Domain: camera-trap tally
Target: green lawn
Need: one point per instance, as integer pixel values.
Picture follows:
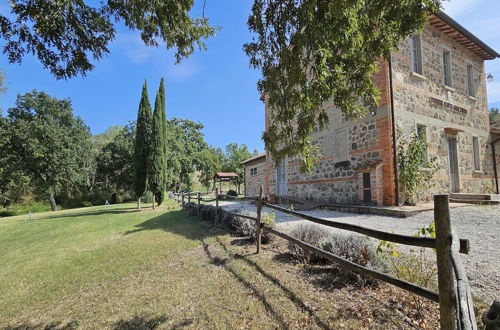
(119, 268)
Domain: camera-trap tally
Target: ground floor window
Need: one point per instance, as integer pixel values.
(475, 150)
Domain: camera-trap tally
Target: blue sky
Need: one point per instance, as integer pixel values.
(216, 87)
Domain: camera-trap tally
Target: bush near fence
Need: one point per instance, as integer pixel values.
(455, 298)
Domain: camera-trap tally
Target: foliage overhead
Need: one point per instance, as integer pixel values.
(142, 143)
(67, 35)
(314, 51)
(47, 142)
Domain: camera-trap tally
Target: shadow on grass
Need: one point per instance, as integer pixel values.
(288, 293)
(50, 326)
(140, 323)
(179, 223)
(242, 242)
(217, 261)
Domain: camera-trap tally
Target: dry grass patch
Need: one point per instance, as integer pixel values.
(119, 269)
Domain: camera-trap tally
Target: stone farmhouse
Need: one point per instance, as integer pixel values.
(435, 84)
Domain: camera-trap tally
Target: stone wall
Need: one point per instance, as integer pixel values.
(254, 181)
(350, 147)
(445, 112)
(347, 146)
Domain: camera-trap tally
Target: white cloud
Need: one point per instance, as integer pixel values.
(182, 70)
(133, 47)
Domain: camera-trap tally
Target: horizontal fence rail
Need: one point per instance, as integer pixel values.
(242, 198)
(243, 216)
(423, 292)
(426, 242)
(454, 297)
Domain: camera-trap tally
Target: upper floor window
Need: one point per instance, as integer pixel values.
(470, 79)
(475, 150)
(447, 67)
(416, 53)
(253, 171)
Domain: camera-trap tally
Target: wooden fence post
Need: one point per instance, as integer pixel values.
(446, 278)
(258, 225)
(183, 206)
(189, 198)
(216, 204)
(199, 202)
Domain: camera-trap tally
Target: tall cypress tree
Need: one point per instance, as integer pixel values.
(157, 165)
(166, 173)
(142, 145)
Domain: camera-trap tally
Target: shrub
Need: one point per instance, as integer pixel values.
(311, 234)
(243, 227)
(357, 249)
(416, 265)
(192, 209)
(232, 192)
(208, 212)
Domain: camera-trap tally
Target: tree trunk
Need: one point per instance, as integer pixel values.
(139, 203)
(153, 200)
(52, 201)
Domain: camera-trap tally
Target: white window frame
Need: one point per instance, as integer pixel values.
(447, 70)
(470, 79)
(416, 54)
(476, 155)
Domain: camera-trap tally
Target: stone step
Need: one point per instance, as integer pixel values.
(475, 201)
(476, 197)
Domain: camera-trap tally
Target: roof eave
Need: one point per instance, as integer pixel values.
(466, 33)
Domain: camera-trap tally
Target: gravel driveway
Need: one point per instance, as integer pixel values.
(479, 224)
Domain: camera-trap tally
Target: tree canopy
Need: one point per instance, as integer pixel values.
(114, 167)
(66, 36)
(207, 163)
(313, 51)
(494, 115)
(185, 140)
(232, 158)
(46, 142)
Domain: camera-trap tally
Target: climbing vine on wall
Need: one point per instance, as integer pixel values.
(415, 171)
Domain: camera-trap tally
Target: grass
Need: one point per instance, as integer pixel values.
(119, 268)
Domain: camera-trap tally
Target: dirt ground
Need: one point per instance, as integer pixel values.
(479, 224)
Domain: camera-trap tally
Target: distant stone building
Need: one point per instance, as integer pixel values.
(255, 168)
(435, 84)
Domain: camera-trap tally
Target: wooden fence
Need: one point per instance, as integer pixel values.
(454, 297)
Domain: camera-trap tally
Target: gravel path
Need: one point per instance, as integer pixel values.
(479, 224)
